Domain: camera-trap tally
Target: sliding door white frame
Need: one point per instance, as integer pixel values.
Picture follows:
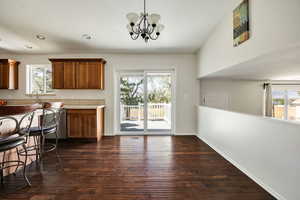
(144, 73)
(173, 102)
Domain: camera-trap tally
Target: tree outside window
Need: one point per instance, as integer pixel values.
(159, 90)
(39, 79)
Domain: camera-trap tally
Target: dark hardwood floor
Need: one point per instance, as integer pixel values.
(136, 168)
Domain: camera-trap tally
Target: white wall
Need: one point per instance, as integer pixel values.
(233, 95)
(185, 66)
(274, 26)
(266, 149)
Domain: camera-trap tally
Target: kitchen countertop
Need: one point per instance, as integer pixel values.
(83, 106)
(68, 103)
(70, 106)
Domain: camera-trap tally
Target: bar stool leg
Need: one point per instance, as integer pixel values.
(1, 176)
(18, 162)
(36, 148)
(24, 169)
(56, 150)
(41, 152)
(2, 167)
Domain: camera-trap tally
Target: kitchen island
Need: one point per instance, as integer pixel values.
(84, 118)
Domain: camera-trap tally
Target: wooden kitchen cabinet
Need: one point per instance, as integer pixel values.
(9, 74)
(69, 75)
(78, 73)
(90, 75)
(82, 75)
(85, 123)
(58, 75)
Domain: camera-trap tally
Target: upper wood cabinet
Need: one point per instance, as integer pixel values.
(9, 74)
(58, 75)
(69, 75)
(87, 73)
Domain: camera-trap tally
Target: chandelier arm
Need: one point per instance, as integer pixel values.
(135, 38)
(145, 24)
(151, 29)
(132, 30)
(153, 38)
(139, 25)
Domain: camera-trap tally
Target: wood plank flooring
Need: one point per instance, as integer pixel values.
(136, 168)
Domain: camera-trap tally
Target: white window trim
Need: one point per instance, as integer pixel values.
(29, 91)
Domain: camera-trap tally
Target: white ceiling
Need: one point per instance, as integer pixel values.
(63, 22)
(283, 65)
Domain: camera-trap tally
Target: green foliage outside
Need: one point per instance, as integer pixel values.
(159, 90)
(40, 77)
(278, 101)
(131, 91)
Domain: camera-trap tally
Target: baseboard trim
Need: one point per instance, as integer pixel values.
(184, 134)
(244, 170)
(109, 134)
(176, 134)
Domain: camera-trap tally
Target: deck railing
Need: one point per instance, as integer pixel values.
(158, 111)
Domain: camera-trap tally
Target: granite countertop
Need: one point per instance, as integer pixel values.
(68, 103)
(83, 106)
(69, 106)
(72, 106)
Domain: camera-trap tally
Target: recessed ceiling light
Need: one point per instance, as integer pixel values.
(28, 47)
(86, 36)
(40, 37)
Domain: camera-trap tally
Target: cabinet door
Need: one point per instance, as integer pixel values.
(94, 75)
(82, 123)
(4, 76)
(82, 75)
(89, 75)
(57, 75)
(69, 75)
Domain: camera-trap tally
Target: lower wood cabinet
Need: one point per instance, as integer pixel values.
(85, 123)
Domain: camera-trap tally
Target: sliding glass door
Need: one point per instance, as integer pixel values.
(159, 104)
(131, 103)
(146, 102)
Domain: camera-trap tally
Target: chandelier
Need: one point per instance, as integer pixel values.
(145, 25)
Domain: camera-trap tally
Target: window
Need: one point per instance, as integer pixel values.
(39, 79)
(286, 102)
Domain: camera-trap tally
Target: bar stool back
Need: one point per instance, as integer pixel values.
(13, 139)
(49, 125)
